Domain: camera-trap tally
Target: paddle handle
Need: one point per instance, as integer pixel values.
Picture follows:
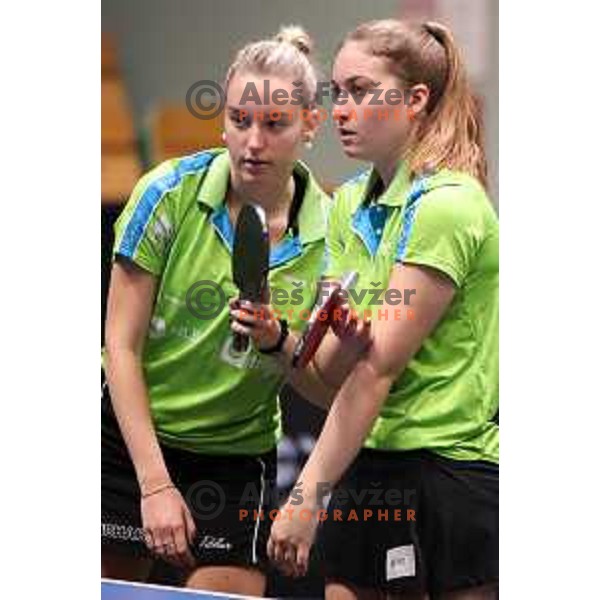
(240, 342)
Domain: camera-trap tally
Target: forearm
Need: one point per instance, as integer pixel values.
(307, 382)
(333, 361)
(324, 375)
(348, 423)
(132, 409)
(312, 382)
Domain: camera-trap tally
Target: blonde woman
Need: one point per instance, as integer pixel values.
(190, 427)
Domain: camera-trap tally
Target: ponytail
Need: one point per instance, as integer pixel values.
(449, 134)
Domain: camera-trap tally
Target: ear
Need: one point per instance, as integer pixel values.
(416, 100)
(310, 125)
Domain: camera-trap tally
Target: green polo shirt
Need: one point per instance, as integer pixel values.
(446, 399)
(204, 397)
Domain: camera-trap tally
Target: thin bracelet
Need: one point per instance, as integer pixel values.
(160, 488)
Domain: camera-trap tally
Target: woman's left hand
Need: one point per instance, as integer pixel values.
(292, 536)
(257, 321)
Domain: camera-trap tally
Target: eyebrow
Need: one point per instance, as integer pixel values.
(284, 115)
(354, 79)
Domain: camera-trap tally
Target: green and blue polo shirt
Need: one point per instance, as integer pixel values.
(204, 397)
(446, 399)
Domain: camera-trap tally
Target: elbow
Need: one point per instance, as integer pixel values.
(112, 357)
(112, 346)
(118, 350)
(370, 381)
(385, 365)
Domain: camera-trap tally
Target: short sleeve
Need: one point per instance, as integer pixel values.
(145, 229)
(443, 229)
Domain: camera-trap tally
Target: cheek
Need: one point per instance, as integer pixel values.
(386, 117)
(233, 138)
(288, 143)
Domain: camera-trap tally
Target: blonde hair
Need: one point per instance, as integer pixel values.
(287, 53)
(450, 134)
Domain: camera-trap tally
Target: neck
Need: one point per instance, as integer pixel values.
(390, 163)
(386, 171)
(273, 201)
(388, 166)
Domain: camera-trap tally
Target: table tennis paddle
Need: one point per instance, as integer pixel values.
(250, 259)
(318, 325)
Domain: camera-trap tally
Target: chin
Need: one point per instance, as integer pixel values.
(254, 183)
(252, 177)
(354, 152)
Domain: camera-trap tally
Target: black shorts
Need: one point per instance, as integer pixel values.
(413, 522)
(216, 489)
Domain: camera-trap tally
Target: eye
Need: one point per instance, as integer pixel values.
(239, 120)
(279, 124)
(358, 90)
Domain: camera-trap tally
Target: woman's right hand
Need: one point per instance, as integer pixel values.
(169, 528)
(354, 332)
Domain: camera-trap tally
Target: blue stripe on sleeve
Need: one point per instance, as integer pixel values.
(152, 196)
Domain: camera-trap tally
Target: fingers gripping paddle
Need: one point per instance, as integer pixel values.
(250, 259)
(320, 321)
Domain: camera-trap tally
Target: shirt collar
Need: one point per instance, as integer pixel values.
(214, 186)
(312, 216)
(396, 192)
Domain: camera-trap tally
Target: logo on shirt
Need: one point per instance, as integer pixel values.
(208, 542)
(158, 328)
(162, 230)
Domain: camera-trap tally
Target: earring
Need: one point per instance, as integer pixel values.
(308, 144)
(224, 137)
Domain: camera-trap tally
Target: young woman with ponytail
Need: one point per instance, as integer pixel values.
(410, 445)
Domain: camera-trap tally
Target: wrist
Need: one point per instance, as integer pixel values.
(151, 481)
(153, 491)
(271, 342)
(313, 494)
(278, 345)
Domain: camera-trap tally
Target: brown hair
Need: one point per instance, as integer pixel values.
(450, 134)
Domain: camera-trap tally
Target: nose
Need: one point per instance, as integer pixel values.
(256, 137)
(342, 112)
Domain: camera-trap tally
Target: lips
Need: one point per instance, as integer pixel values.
(255, 166)
(347, 135)
(255, 162)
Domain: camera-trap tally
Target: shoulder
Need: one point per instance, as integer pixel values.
(454, 198)
(355, 184)
(448, 219)
(169, 175)
(172, 183)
